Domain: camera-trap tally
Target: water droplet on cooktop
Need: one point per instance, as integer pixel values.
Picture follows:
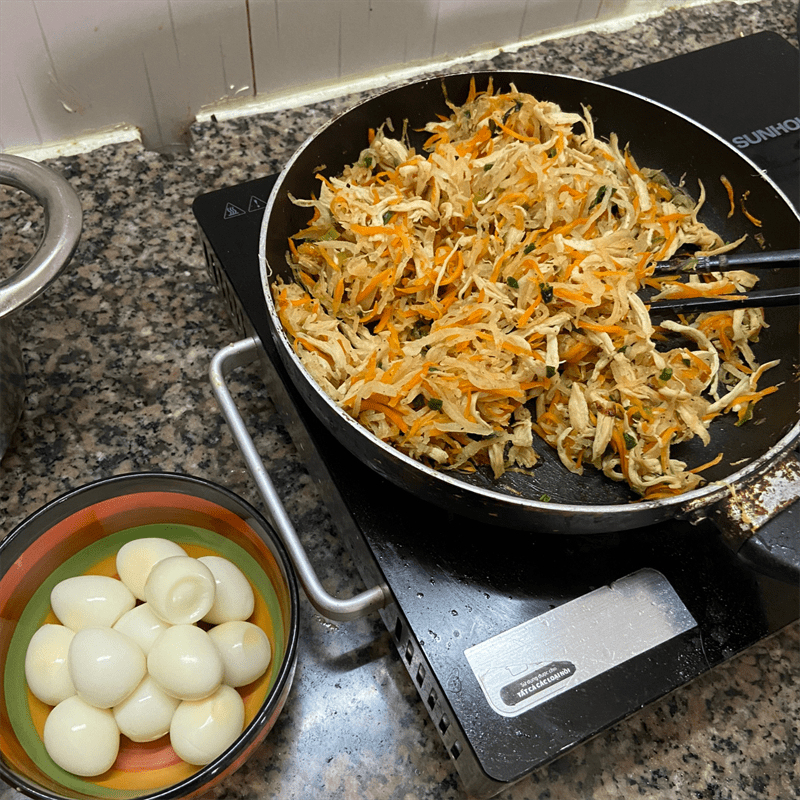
(419, 594)
(454, 612)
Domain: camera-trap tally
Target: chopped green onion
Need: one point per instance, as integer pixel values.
(419, 330)
(329, 235)
(545, 498)
(666, 374)
(512, 282)
(516, 107)
(529, 248)
(598, 197)
(630, 442)
(435, 404)
(387, 216)
(550, 371)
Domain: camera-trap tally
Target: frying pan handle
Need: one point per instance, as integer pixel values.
(240, 354)
(759, 520)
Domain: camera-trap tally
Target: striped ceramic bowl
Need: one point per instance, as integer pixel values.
(80, 533)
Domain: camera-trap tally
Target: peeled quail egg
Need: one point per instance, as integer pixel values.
(46, 669)
(203, 729)
(90, 601)
(141, 625)
(245, 651)
(234, 596)
(146, 714)
(136, 558)
(105, 666)
(185, 662)
(180, 589)
(80, 738)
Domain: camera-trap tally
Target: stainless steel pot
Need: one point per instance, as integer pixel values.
(62, 229)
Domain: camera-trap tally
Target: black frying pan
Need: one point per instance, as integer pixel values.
(659, 138)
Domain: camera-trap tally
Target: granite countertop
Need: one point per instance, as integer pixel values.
(117, 352)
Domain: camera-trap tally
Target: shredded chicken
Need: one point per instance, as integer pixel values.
(458, 301)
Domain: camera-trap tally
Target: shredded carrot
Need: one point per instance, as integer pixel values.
(373, 284)
(371, 230)
(596, 326)
(526, 315)
(621, 448)
(577, 351)
(712, 463)
(516, 135)
(756, 222)
(753, 397)
(729, 189)
(390, 413)
(578, 298)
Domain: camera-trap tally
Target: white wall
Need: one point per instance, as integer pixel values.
(68, 67)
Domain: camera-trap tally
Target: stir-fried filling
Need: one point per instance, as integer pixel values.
(457, 302)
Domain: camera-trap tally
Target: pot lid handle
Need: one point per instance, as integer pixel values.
(63, 220)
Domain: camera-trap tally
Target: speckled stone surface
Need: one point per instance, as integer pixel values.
(116, 355)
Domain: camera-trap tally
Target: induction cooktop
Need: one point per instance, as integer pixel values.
(523, 646)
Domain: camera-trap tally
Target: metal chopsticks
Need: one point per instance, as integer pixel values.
(761, 298)
(694, 264)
